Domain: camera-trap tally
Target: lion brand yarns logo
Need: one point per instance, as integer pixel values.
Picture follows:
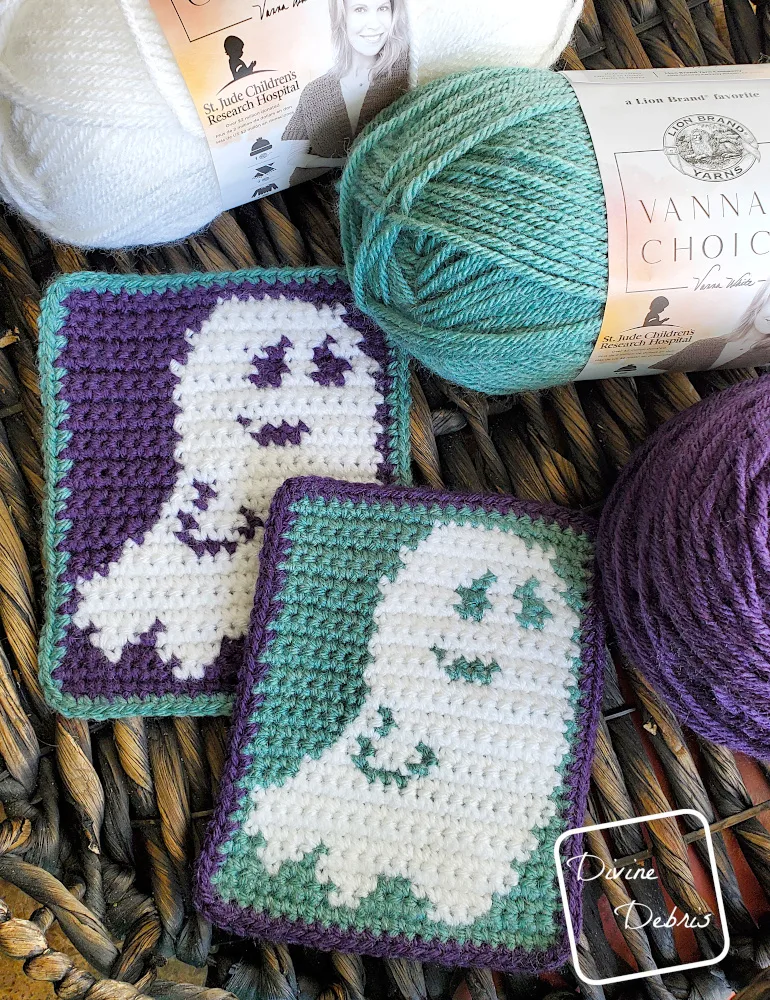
(710, 147)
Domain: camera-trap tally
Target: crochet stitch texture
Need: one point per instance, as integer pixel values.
(413, 729)
(174, 408)
(684, 551)
(473, 220)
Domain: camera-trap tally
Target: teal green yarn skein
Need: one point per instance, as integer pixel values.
(474, 229)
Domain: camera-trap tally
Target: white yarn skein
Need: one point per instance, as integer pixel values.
(100, 142)
(454, 36)
(99, 145)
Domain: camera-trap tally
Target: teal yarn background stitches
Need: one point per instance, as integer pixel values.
(315, 686)
(474, 228)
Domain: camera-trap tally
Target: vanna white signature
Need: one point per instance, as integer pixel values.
(713, 279)
(265, 10)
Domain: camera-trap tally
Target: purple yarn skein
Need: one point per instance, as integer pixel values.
(684, 554)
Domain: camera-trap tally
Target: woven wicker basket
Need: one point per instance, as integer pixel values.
(103, 822)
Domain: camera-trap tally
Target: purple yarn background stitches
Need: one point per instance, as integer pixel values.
(122, 451)
(267, 608)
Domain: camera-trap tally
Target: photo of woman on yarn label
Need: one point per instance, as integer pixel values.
(370, 71)
(283, 88)
(747, 346)
(684, 159)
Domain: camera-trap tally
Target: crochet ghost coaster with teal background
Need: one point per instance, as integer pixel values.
(413, 727)
(174, 408)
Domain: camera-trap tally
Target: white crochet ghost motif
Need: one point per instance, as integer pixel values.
(445, 777)
(270, 389)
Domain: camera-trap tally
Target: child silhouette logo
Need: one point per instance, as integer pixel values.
(657, 306)
(234, 47)
(234, 50)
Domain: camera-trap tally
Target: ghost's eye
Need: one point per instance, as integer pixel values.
(533, 612)
(270, 369)
(330, 367)
(271, 364)
(473, 600)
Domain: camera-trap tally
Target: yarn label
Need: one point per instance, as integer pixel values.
(282, 87)
(684, 158)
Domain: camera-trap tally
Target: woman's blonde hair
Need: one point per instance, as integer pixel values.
(755, 308)
(395, 47)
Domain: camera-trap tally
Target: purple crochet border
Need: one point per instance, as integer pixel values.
(222, 827)
(169, 312)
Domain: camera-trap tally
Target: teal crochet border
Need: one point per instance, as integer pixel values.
(56, 437)
(280, 745)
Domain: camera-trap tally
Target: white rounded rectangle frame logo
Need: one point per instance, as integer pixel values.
(628, 822)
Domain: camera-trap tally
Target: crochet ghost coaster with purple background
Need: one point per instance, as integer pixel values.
(174, 408)
(413, 728)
